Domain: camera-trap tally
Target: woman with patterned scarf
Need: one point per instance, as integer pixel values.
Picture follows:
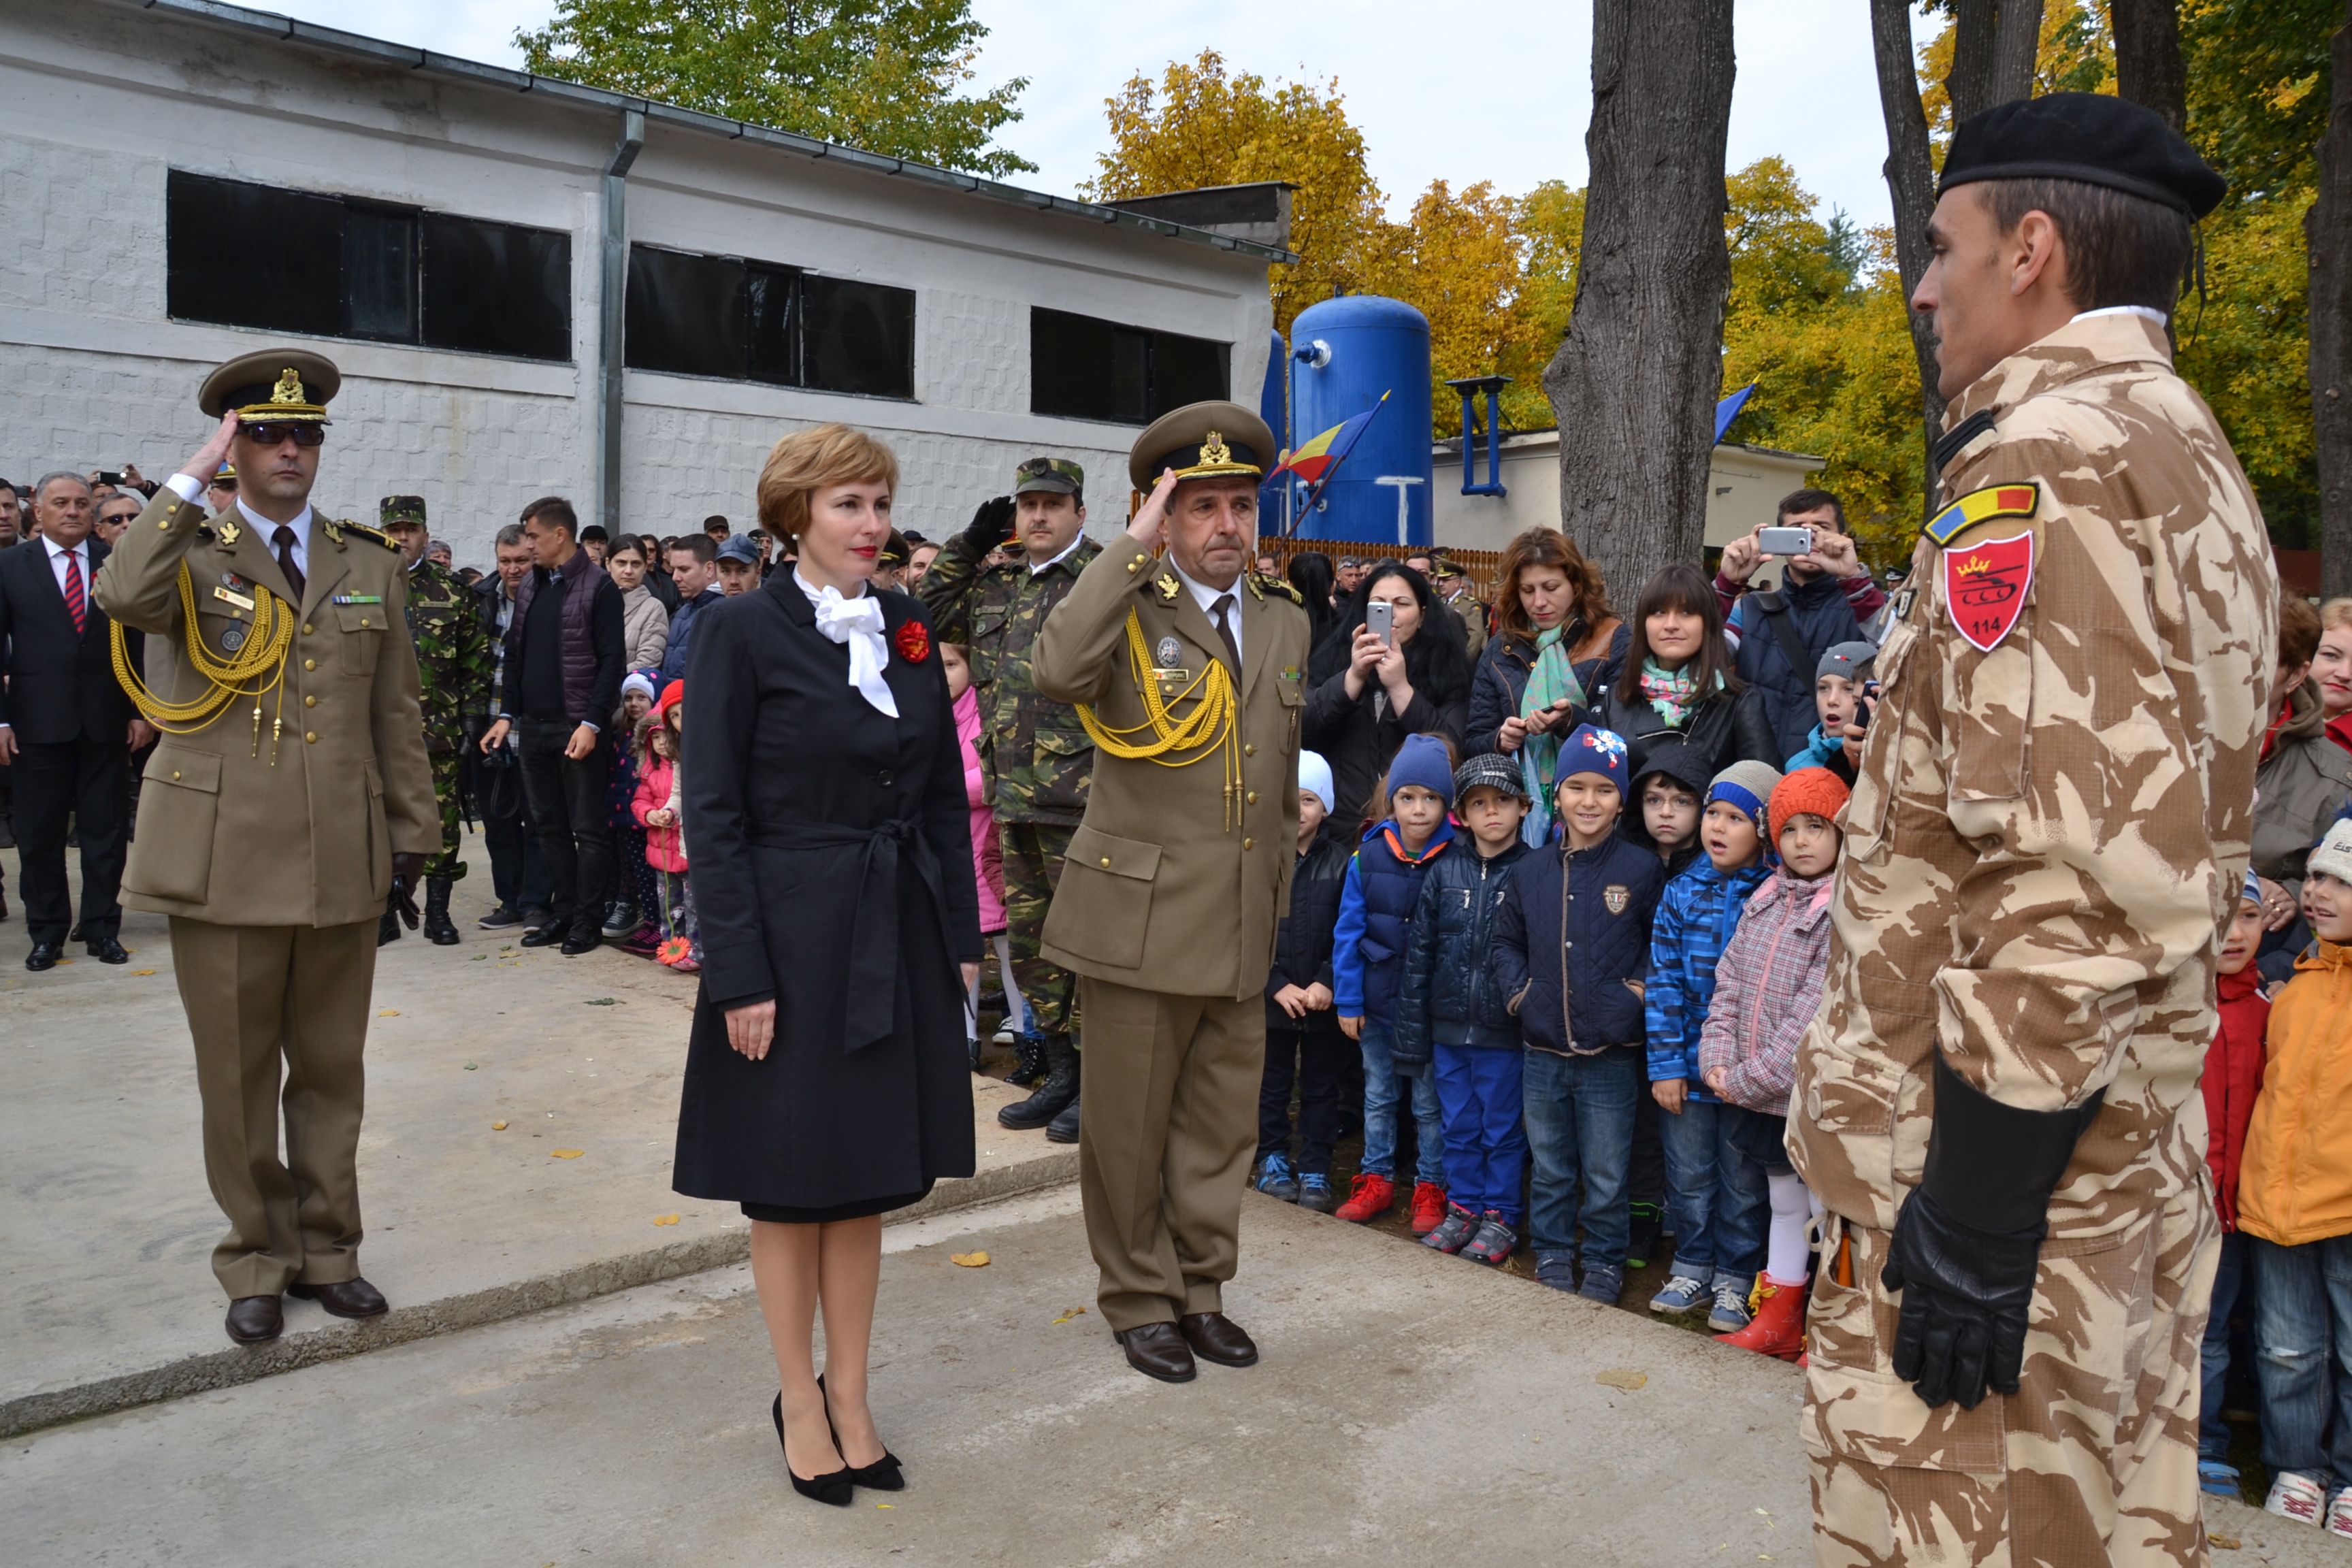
(1551, 608)
(1677, 679)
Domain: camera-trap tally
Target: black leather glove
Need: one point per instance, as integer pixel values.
(408, 870)
(1968, 1238)
(992, 525)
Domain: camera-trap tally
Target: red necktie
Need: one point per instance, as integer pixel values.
(77, 606)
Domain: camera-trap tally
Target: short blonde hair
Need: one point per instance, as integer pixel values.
(2336, 614)
(807, 461)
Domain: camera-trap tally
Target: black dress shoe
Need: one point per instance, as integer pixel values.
(1217, 1337)
(106, 950)
(581, 941)
(345, 1298)
(831, 1489)
(1156, 1350)
(255, 1319)
(547, 935)
(44, 955)
(882, 1476)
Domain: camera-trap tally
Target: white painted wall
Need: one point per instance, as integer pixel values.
(1745, 484)
(98, 100)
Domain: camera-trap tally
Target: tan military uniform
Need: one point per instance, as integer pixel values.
(270, 844)
(1166, 911)
(2042, 842)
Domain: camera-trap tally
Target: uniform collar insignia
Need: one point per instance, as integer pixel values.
(227, 528)
(1166, 584)
(1256, 588)
(334, 529)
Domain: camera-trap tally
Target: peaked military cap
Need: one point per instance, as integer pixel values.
(277, 385)
(401, 508)
(2086, 136)
(1059, 475)
(1202, 441)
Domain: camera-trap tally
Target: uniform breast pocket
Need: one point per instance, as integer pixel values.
(1293, 690)
(224, 631)
(363, 637)
(1064, 762)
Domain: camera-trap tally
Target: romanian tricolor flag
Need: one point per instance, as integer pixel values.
(1315, 461)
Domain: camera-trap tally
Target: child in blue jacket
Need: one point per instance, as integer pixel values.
(1376, 903)
(1451, 1015)
(1572, 945)
(1838, 684)
(1718, 1247)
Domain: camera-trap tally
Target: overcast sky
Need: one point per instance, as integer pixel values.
(1504, 97)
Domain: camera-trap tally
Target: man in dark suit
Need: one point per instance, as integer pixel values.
(66, 727)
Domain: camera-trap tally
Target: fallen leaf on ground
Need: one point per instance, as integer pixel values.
(567, 1154)
(601, 1002)
(1072, 1312)
(473, 1066)
(666, 1219)
(886, 1505)
(2223, 1542)
(387, 1012)
(1620, 1377)
(969, 1259)
(497, 1126)
(142, 971)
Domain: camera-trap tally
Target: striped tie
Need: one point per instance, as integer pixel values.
(77, 606)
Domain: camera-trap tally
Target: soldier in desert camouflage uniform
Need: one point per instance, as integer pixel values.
(454, 662)
(1035, 753)
(1999, 1103)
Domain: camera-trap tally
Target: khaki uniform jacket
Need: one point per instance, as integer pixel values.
(1163, 891)
(228, 832)
(2043, 838)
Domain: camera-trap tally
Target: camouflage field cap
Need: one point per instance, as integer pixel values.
(1059, 475)
(401, 508)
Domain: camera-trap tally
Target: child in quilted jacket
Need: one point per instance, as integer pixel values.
(2231, 1082)
(657, 807)
(1768, 986)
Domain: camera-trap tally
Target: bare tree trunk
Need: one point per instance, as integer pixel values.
(1911, 185)
(1635, 381)
(1976, 24)
(2327, 237)
(2016, 43)
(2149, 71)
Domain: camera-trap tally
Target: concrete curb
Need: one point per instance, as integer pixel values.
(237, 1364)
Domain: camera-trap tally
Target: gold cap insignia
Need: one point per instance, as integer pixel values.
(288, 388)
(1214, 453)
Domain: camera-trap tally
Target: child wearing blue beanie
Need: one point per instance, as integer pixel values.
(1376, 904)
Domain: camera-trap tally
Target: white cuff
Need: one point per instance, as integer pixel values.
(187, 489)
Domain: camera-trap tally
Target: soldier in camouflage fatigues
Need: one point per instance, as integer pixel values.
(1036, 757)
(1999, 1102)
(453, 663)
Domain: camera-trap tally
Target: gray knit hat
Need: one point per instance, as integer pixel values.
(1492, 769)
(2334, 855)
(1749, 786)
(1851, 659)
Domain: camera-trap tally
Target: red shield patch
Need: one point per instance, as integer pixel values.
(1985, 584)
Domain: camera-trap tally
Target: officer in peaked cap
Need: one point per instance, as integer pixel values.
(289, 797)
(1188, 674)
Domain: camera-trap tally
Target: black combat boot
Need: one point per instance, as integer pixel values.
(1063, 1129)
(387, 926)
(1028, 1060)
(1054, 1095)
(437, 928)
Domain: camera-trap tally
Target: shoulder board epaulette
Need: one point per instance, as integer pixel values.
(1953, 441)
(1263, 585)
(1983, 506)
(362, 531)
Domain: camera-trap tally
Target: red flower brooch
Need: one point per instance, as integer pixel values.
(914, 641)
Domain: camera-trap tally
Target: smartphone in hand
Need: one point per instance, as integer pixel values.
(1785, 541)
(1380, 618)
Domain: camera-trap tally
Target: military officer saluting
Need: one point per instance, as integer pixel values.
(1190, 674)
(287, 799)
(1999, 1102)
(455, 660)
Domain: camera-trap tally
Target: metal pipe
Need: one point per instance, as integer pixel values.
(612, 316)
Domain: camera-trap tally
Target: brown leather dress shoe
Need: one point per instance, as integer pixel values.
(1217, 1337)
(1156, 1350)
(344, 1299)
(255, 1319)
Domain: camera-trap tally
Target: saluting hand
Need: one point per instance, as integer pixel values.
(207, 461)
(1152, 519)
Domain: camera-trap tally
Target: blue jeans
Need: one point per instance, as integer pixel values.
(2212, 1436)
(1718, 1233)
(2303, 1356)
(1383, 1087)
(1580, 1113)
(1743, 1197)
(1480, 1089)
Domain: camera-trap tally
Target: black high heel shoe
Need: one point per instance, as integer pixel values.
(882, 1476)
(833, 1489)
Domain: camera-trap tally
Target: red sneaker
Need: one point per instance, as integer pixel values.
(1369, 1199)
(1428, 1207)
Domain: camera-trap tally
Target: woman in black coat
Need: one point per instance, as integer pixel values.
(1365, 696)
(1677, 682)
(825, 1079)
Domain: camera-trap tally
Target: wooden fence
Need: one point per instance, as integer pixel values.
(1481, 566)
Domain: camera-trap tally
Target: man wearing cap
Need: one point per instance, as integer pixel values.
(289, 797)
(1999, 1102)
(1034, 755)
(1458, 593)
(453, 662)
(739, 565)
(1190, 674)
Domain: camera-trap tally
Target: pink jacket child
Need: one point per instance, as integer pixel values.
(1768, 986)
(987, 853)
(663, 850)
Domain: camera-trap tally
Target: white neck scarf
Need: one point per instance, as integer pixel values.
(857, 622)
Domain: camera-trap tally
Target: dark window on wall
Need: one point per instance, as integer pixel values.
(254, 256)
(753, 321)
(1081, 368)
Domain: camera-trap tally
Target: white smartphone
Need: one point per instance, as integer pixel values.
(1785, 541)
(1379, 618)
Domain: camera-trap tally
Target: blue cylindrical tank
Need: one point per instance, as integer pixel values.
(1345, 353)
(1274, 407)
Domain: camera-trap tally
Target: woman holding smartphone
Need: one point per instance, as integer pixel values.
(1394, 666)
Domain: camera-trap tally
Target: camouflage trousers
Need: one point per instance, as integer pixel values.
(1032, 865)
(2091, 1464)
(445, 795)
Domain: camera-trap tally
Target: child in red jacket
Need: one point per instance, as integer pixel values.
(2233, 1076)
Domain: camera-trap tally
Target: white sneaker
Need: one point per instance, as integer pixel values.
(2340, 1514)
(2297, 1498)
(1003, 1036)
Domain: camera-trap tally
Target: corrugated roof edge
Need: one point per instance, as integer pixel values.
(334, 40)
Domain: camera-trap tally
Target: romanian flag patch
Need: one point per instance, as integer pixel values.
(1983, 506)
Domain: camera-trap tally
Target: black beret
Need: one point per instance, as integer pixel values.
(2086, 136)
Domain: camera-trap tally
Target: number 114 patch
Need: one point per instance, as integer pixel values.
(1985, 585)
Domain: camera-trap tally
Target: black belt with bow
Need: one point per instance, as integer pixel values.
(871, 1006)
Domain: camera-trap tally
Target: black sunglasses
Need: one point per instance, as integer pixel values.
(271, 435)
